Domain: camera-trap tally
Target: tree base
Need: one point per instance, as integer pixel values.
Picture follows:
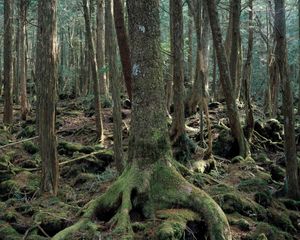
(153, 191)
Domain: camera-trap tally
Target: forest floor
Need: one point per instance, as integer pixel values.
(248, 190)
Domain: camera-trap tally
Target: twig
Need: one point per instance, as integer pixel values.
(15, 143)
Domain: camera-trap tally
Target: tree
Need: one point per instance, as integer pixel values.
(7, 53)
(123, 42)
(22, 62)
(225, 77)
(94, 69)
(150, 181)
(293, 188)
(178, 123)
(100, 47)
(46, 73)
(247, 76)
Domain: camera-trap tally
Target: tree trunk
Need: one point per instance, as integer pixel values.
(94, 70)
(115, 87)
(293, 190)
(7, 64)
(123, 45)
(247, 76)
(178, 123)
(235, 45)
(46, 72)
(299, 56)
(232, 109)
(22, 61)
(101, 47)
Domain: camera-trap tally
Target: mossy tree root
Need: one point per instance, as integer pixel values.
(157, 187)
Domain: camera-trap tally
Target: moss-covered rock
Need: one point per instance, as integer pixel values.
(270, 232)
(281, 220)
(232, 201)
(237, 159)
(252, 184)
(263, 159)
(263, 198)
(7, 232)
(291, 204)
(68, 148)
(277, 173)
(27, 132)
(225, 145)
(30, 147)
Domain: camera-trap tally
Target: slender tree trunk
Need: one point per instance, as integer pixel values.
(190, 51)
(247, 76)
(293, 190)
(94, 70)
(47, 76)
(22, 61)
(232, 110)
(235, 43)
(123, 45)
(115, 87)
(7, 52)
(299, 57)
(178, 124)
(101, 47)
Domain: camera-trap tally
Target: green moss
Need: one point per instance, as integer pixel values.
(175, 223)
(237, 159)
(277, 173)
(27, 132)
(271, 232)
(7, 232)
(291, 204)
(243, 224)
(280, 220)
(233, 201)
(30, 147)
(262, 237)
(263, 198)
(263, 159)
(252, 184)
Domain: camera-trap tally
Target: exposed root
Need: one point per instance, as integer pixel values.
(155, 188)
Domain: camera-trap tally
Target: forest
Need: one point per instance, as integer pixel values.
(150, 119)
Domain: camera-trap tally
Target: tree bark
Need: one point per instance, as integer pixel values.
(22, 67)
(47, 76)
(94, 70)
(178, 123)
(7, 63)
(247, 76)
(123, 42)
(232, 109)
(293, 189)
(101, 47)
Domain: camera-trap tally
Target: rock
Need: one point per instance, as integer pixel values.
(225, 145)
(265, 231)
(237, 159)
(277, 173)
(252, 184)
(280, 220)
(263, 198)
(30, 147)
(243, 224)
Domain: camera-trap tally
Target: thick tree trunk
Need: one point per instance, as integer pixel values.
(22, 60)
(232, 109)
(293, 190)
(101, 47)
(123, 45)
(7, 52)
(178, 124)
(190, 51)
(150, 182)
(46, 72)
(94, 70)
